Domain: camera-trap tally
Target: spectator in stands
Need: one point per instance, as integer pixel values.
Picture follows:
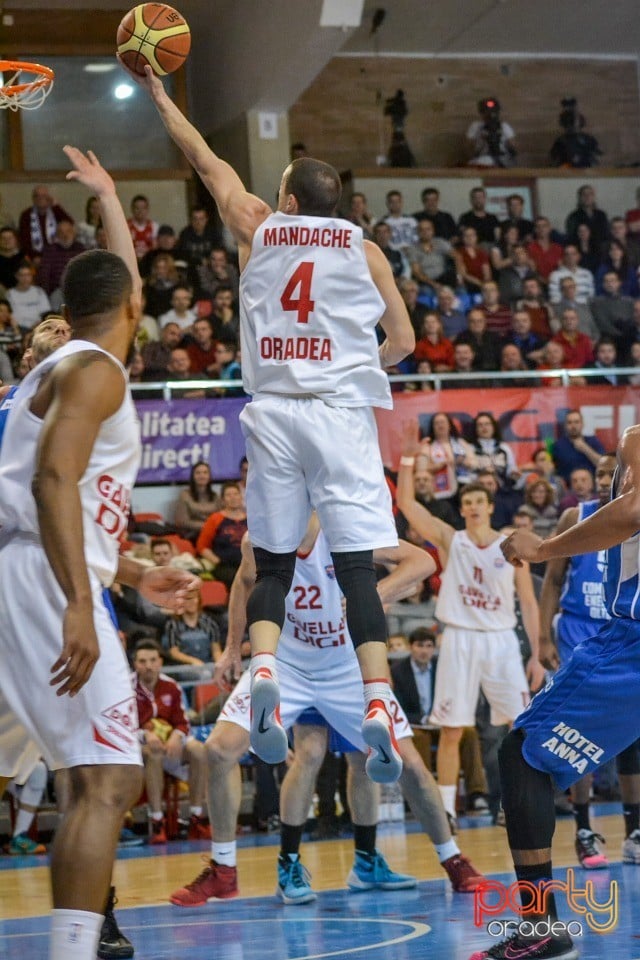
(417, 311)
(573, 450)
(425, 492)
(414, 678)
(192, 638)
(144, 230)
(632, 217)
(612, 310)
(516, 218)
(511, 278)
(165, 243)
(631, 334)
(537, 307)
(197, 502)
(630, 242)
(162, 278)
(443, 223)
(633, 360)
(449, 458)
(397, 261)
(220, 537)
(227, 367)
(588, 249)
(586, 323)
(542, 467)
(431, 259)
(511, 360)
(433, 345)
(179, 366)
(202, 348)
(552, 359)
(544, 253)
(87, 227)
(358, 213)
(54, 260)
(224, 317)
(404, 229)
(28, 302)
(166, 743)
(501, 255)
(581, 485)
(10, 333)
(472, 263)
(425, 386)
(196, 241)
(464, 362)
(398, 644)
(491, 451)
(453, 319)
(616, 261)
(497, 314)
(585, 287)
(135, 368)
(38, 223)
(577, 346)
(157, 354)
(181, 311)
(162, 552)
(606, 359)
(10, 257)
(485, 345)
(485, 224)
(540, 497)
(217, 272)
(529, 345)
(588, 213)
(506, 500)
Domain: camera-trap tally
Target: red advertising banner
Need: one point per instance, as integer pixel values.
(528, 417)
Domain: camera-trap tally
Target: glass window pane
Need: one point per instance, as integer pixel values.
(84, 109)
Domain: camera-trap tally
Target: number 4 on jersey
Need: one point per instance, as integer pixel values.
(303, 305)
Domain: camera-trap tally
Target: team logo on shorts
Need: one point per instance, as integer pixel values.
(330, 571)
(116, 727)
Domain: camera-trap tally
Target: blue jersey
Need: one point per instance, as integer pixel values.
(621, 580)
(583, 590)
(5, 406)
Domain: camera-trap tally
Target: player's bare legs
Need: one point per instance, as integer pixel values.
(226, 744)
(448, 766)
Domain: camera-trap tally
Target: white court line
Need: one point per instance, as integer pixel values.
(417, 930)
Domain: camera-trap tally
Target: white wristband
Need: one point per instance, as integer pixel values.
(407, 461)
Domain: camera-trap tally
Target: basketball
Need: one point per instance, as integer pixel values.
(154, 34)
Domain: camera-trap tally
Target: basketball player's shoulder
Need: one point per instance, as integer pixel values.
(244, 214)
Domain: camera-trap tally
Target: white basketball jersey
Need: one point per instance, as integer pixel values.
(315, 635)
(105, 487)
(477, 586)
(308, 313)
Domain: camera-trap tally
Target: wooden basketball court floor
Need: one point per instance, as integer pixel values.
(428, 922)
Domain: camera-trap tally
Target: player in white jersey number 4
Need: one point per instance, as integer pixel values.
(312, 292)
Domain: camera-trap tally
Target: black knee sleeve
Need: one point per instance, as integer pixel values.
(274, 575)
(357, 579)
(527, 797)
(628, 762)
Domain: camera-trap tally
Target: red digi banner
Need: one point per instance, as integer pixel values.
(528, 417)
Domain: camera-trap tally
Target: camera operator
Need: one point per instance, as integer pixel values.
(492, 138)
(574, 147)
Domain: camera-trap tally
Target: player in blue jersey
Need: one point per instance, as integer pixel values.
(572, 606)
(586, 714)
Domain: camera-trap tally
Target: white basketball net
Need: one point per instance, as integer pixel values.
(35, 89)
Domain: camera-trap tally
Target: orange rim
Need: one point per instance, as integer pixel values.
(46, 76)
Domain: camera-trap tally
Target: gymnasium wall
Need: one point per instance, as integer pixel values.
(339, 117)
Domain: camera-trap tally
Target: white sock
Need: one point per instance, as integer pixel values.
(30, 797)
(74, 934)
(448, 795)
(446, 850)
(23, 821)
(195, 811)
(264, 660)
(376, 690)
(156, 815)
(224, 853)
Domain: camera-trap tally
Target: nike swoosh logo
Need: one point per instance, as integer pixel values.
(512, 953)
(385, 756)
(261, 726)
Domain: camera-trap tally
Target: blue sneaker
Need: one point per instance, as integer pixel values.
(293, 881)
(371, 871)
(129, 839)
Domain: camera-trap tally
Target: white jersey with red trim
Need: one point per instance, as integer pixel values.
(478, 587)
(315, 636)
(308, 313)
(105, 487)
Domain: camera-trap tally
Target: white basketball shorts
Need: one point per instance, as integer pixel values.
(97, 726)
(469, 661)
(304, 454)
(338, 697)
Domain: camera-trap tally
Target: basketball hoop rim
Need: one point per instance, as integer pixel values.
(46, 76)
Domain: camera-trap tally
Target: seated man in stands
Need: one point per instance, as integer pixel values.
(157, 354)
(521, 336)
(537, 307)
(167, 744)
(577, 346)
(162, 552)
(568, 301)
(192, 638)
(202, 349)
(498, 315)
(485, 345)
(181, 311)
(612, 311)
(224, 317)
(453, 319)
(510, 361)
(463, 357)
(397, 260)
